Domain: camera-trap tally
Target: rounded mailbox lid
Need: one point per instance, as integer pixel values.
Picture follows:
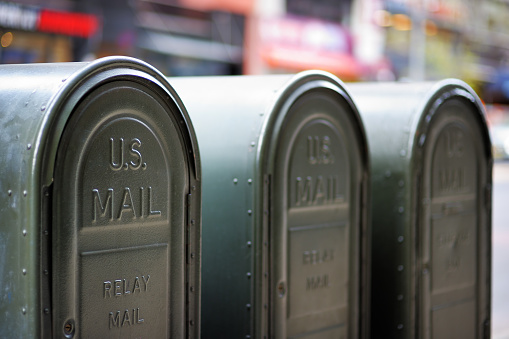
(124, 186)
(319, 174)
(431, 187)
(454, 227)
(284, 186)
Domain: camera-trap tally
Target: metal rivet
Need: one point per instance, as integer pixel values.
(235, 180)
(402, 153)
(24, 271)
(248, 274)
(249, 244)
(46, 310)
(401, 238)
(248, 306)
(29, 146)
(24, 310)
(25, 193)
(249, 181)
(9, 192)
(400, 297)
(24, 233)
(249, 212)
(400, 268)
(253, 144)
(43, 108)
(400, 326)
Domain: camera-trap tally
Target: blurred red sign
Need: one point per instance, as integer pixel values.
(31, 18)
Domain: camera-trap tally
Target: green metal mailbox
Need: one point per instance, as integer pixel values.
(284, 206)
(99, 202)
(431, 209)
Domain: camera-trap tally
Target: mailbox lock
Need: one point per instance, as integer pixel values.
(69, 328)
(281, 289)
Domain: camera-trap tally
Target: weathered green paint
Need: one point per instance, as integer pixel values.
(431, 209)
(260, 138)
(38, 101)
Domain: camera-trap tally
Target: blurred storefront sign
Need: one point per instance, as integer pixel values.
(36, 19)
(295, 43)
(244, 7)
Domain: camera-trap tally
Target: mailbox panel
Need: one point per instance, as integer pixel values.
(317, 178)
(451, 233)
(120, 170)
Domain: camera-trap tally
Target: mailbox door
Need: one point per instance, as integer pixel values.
(120, 187)
(316, 220)
(454, 232)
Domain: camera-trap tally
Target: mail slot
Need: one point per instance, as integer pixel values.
(284, 217)
(431, 209)
(100, 203)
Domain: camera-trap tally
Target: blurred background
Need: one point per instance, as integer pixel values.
(357, 40)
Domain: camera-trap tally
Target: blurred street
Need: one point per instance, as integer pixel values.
(500, 292)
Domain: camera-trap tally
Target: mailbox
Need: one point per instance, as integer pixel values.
(431, 209)
(284, 206)
(100, 203)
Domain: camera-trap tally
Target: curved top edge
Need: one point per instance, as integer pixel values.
(439, 92)
(296, 86)
(87, 72)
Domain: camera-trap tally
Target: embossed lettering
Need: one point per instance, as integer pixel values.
(128, 318)
(131, 205)
(451, 180)
(116, 161)
(97, 203)
(118, 156)
(107, 289)
(127, 204)
(453, 238)
(319, 150)
(317, 282)
(454, 144)
(122, 287)
(135, 143)
(321, 193)
(317, 257)
(114, 320)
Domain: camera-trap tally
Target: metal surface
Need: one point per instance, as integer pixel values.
(284, 211)
(100, 203)
(431, 209)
